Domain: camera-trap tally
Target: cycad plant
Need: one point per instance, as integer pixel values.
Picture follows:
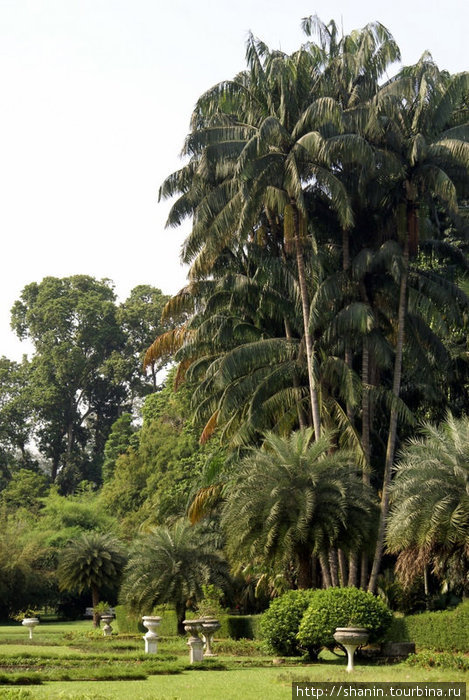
(91, 562)
(171, 565)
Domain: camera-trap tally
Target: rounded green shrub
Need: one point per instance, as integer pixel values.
(280, 623)
(341, 607)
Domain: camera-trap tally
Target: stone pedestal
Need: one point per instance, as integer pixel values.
(107, 629)
(30, 623)
(209, 626)
(195, 644)
(151, 622)
(351, 638)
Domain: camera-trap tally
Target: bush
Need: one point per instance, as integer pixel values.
(341, 607)
(446, 660)
(127, 622)
(280, 623)
(240, 626)
(445, 630)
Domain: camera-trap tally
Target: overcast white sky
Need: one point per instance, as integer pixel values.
(95, 100)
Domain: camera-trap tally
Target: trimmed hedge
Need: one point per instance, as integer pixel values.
(131, 623)
(341, 607)
(280, 623)
(128, 622)
(233, 626)
(443, 630)
(239, 626)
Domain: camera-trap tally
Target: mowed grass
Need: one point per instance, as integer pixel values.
(71, 661)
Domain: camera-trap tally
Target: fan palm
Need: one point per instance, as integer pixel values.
(91, 562)
(429, 519)
(170, 565)
(293, 499)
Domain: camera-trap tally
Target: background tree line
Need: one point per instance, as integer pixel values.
(57, 408)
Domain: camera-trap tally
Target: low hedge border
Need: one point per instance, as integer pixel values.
(446, 630)
(232, 626)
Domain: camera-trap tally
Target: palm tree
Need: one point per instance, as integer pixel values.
(293, 499)
(260, 148)
(91, 562)
(426, 157)
(429, 518)
(170, 565)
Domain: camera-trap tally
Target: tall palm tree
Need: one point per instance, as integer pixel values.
(295, 498)
(91, 562)
(429, 519)
(260, 148)
(170, 565)
(427, 156)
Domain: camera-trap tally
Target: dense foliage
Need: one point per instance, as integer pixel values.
(441, 630)
(281, 621)
(341, 607)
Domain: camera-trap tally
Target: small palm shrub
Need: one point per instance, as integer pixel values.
(281, 621)
(341, 607)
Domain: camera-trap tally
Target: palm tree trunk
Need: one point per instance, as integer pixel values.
(305, 579)
(334, 567)
(366, 431)
(364, 571)
(426, 589)
(392, 434)
(296, 385)
(308, 340)
(326, 576)
(342, 568)
(352, 570)
(180, 616)
(348, 355)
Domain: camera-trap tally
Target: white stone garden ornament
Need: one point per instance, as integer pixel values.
(195, 644)
(30, 623)
(151, 622)
(351, 638)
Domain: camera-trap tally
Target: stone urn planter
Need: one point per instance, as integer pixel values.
(195, 644)
(30, 623)
(351, 638)
(209, 626)
(151, 622)
(107, 629)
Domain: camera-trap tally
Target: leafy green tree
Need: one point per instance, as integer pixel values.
(154, 477)
(119, 440)
(16, 419)
(25, 489)
(26, 577)
(171, 565)
(73, 326)
(429, 519)
(91, 562)
(293, 499)
(139, 318)
(65, 517)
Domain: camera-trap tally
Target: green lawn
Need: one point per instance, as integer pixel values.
(67, 658)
